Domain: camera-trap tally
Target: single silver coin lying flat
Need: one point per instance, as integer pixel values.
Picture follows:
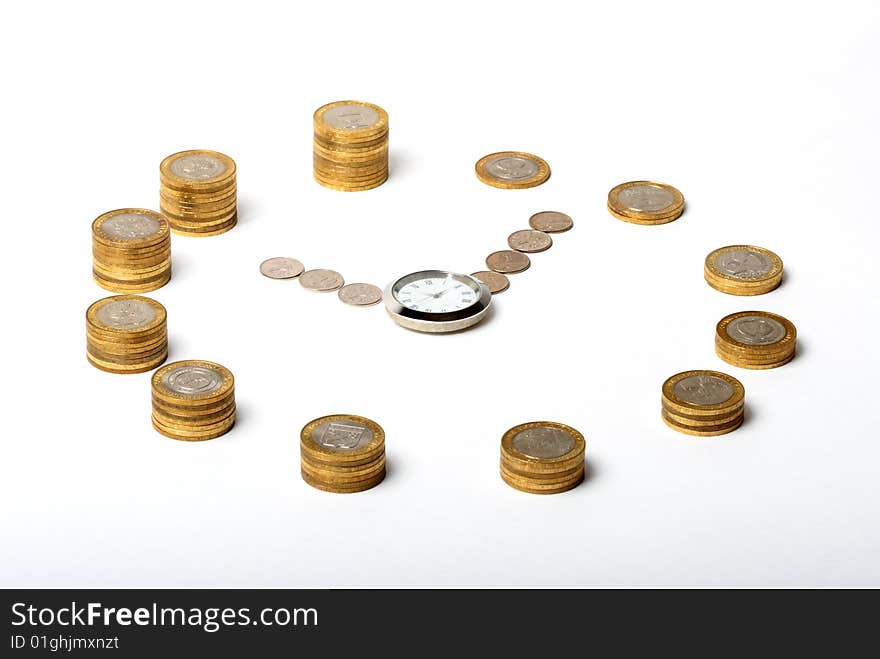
(321, 280)
(550, 222)
(755, 330)
(543, 442)
(360, 295)
(507, 261)
(281, 267)
(703, 390)
(496, 282)
(529, 240)
(192, 380)
(126, 314)
(198, 167)
(130, 226)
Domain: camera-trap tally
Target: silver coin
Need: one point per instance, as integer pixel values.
(755, 330)
(512, 168)
(321, 280)
(550, 222)
(281, 267)
(192, 380)
(703, 390)
(496, 282)
(126, 314)
(645, 198)
(360, 295)
(529, 240)
(131, 226)
(743, 263)
(508, 261)
(342, 435)
(543, 442)
(197, 166)
(351, 117)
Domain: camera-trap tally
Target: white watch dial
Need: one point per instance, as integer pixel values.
(436, 295)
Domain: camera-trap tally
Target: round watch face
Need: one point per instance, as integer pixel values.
(437, 301)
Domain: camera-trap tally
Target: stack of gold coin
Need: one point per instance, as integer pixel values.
(126, 334)
(131, 250)
(342, 453)
(755, 339)
(351, 146)
(542, 457)
(704, 403)
(743, 270)
(193, 400)
(198, 192)
(645, 202)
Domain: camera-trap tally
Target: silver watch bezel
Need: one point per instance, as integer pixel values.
(451, 321)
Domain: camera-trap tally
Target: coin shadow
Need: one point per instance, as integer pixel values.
(390, 467)
(590, 470)
(399, 161)
(245, 210)
(750, 413)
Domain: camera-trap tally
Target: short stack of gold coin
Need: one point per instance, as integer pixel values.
(126, 334)
(193, 400)
(645, 202)
(755, 339)
(131, 250)
(342, 453)
(703, 403)
(542, 457)
(198, 192)
(351, 146)
(743, 270)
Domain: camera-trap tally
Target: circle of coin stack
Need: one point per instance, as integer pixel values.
(743, 270)
(131, 250)
(350, 146)
(703, 403)
(193, 400)
(197, 192)
(126, 334)
(542, 457)
(342, 453)
(755, 339)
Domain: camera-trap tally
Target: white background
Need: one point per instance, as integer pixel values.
(763, 114)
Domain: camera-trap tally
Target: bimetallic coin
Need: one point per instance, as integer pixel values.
(496, 282)
(351, 116)
(529, 240)
(645, 202)
(508, 261)
(543, 442)
(756, 330)
(128, 313)
(743, 270)
(131, 226)
(703, 390)
(197, 166)
(192, 380)
(512, 170)
(743, 263)
(550, 222)
(321, 280)
(281, 267)
(345, 435)
(360, 295)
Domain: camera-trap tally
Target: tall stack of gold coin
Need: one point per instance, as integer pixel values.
(198, 192)
(703, 403)
(131, 250)
(351, 146)
(755, 339)
(542, 457)
(342, 453)
(126, 334)
(193, 400)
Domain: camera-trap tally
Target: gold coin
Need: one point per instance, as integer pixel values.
(496, 282)
(512, 170)
(192, 381)
(743, 270)
(508, 261)
(703, 431)
(529, 240)
(350, 120)
(360, 486)
(543, 442)
(550, 222)
(755, 339)
(342, 439)
(645, 202)
(197, 170)
(702, 392)
(129, 228)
